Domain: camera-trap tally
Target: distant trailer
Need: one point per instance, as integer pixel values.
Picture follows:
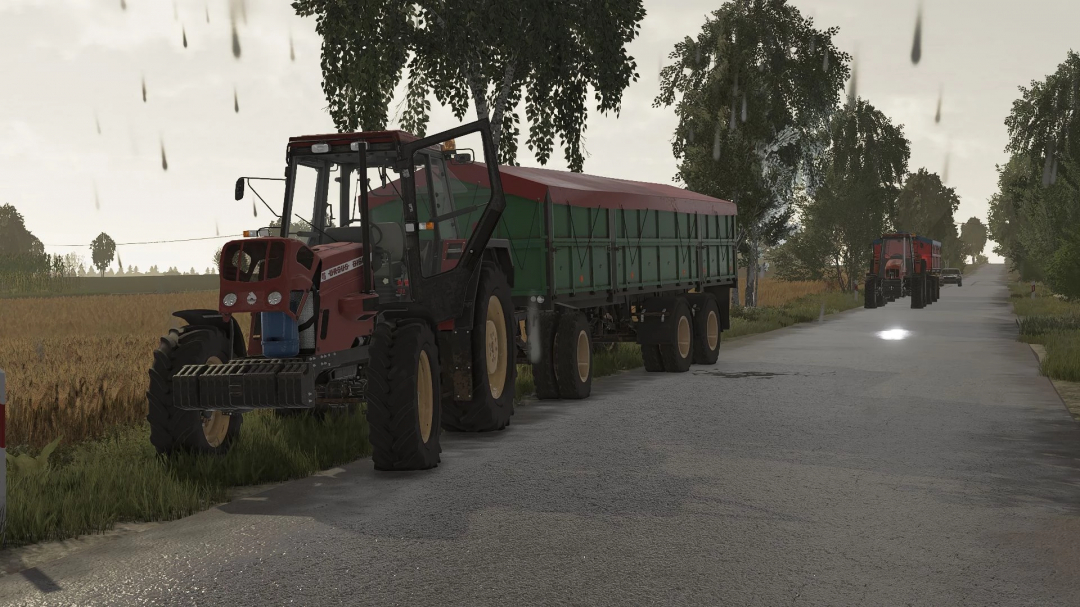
(903, 264)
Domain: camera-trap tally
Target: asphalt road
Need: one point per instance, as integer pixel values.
(817, 465)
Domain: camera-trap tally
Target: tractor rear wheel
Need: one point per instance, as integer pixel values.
(678, 353)
(403, 405)
(494, 362)
(918, 292)
(706, 330)
(573, 356)
(543, 368)
(172, 429)
(870, 294)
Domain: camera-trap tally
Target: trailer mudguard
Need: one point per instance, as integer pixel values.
(655, 326)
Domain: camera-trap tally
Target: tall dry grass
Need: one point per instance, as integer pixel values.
(773, 292)
(77, 366)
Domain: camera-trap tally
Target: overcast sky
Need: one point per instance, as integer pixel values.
(74, 63)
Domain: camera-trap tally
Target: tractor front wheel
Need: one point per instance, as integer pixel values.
(403, 388)
(172, 429)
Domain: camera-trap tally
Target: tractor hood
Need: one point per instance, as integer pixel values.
(261, 274)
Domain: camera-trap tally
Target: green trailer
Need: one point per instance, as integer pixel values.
(594, 261)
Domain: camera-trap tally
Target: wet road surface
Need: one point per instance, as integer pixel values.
(882, 457)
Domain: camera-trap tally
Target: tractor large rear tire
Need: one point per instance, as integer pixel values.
(543, 369)
(678, 353)
(403, 404)
(493, 360)
(706, 330)
(918, 292)
(172, 429)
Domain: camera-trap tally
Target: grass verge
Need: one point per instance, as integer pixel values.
(92, 485)
(1053, 322)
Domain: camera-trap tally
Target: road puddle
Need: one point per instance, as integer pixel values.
(740, 374)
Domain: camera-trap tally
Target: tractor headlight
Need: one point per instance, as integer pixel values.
(273, 298)
(229, 300)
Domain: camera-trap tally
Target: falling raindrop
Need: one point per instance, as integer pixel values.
(254, 209)
(235, 41)
(716, 145)
(937, 116)
(1053, 173)
(690, 134)
(123, 5)
(853, 90)
(916, 46)
(217, 230)
(39, 347)
(292, 52)
(97, 199)
(697, 56)
(744, 106)
(1048, 166)
(208, 13)
(97, 123)
(144, 89)
(119, 262)
(184, 31)
(164, 162)
(945, 170)
(813, 45)
(236, 101)
(825, 62)
(175, 12)
(731, 123)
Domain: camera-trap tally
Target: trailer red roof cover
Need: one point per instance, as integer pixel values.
(582, 190)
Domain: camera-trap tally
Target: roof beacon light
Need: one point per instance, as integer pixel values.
(320, 148)
(260, 233)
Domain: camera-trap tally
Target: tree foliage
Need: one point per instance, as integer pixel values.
(102, 252)
(1035, 214)
(863, 168)
(492, 53)
(751, 92)
(973, 237)
(927, 206)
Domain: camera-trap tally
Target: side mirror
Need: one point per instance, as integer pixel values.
(240, 189)
(461, 158)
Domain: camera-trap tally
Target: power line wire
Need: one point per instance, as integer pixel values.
(120, 244)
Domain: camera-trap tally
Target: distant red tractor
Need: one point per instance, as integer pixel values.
(904, 264)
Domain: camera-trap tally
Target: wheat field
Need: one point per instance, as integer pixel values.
(77, 366)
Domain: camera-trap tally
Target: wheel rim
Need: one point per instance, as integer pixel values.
(425, 401)
(684, 337)
(583, 359)
(495, 341)
(712, 330)
(215, 427)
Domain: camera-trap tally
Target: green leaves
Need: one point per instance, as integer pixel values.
(549, 52)
(24, 463)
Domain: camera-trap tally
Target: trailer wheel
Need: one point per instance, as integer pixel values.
(679, 352)
(707, 331)
(403, 388)
(650, 356)
(493, 360)
(573, 356)
(543, 368)
(172, 429)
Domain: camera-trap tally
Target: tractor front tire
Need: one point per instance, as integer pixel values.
(403, 404)
(171, 429)
(493, 360)
(573, 356)
(678, 353)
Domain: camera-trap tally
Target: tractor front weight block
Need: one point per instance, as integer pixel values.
(257, 383)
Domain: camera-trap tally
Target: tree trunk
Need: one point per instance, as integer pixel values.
(500, 102)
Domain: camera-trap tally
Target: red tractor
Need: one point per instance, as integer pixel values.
(903, 264)
(369, 310)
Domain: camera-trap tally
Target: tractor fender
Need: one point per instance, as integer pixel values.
(216, 319)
